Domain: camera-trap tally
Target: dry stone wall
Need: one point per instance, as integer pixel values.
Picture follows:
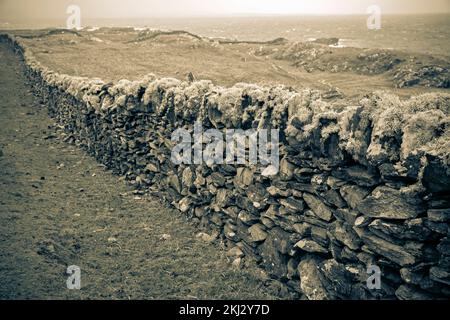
(359, 185)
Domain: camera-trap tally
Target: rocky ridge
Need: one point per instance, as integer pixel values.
(404, 70)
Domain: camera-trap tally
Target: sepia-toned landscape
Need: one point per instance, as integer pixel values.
(89, 180)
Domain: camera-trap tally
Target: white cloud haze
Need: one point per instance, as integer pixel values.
(44, 9)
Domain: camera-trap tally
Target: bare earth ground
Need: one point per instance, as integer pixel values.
(58, 207)
(123, 53)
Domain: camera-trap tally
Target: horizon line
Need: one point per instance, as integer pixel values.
(238, 15)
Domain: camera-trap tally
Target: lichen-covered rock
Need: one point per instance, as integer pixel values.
(293, 205)
(311, 280)
(389, 203)
(311, 246)
(257, 232)
(393, 252)
(414, 229)
(244, 177)
(339, 280)
(320, 209)
(346, 235)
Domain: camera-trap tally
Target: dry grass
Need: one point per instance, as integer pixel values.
(114, 54)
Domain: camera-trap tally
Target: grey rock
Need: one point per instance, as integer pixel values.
(349, 255)
(232, 212)
(411, 277)
(284, 241)
(353, 194)
(311, 246)
(384, 229)
(257, 233)
(319, 235)
(320, 209)
(272, 260)
(244, 177)
(318, 182)
(174, 182)
(444, 247)
(339, 279)
(409, 231)
(393, 252)
(235, 252)
(346, 235)
(199, 212)
(224, 198)
(229, 230)
(362, 221)
(439, 203)
(304, 174)
(440, 275)
(334, 198)
(439, 215)
(267, 222)
(357, 174)
(304, 187)
(336, 250)
(152, 167)
(227, 170)
(185, 204)
(416, 230)
(258, 195)
(347, 215)
(272, 212)
(444, 262)
(303, 229)
(423, 251)
(292, 268)
(409, 292)
(277, 192)
(246, 204)
(389, 203)
(335, 183)
(187, 177)
(247, 218)
(366, 258)
(436, 176)
(293, 205)
(217, 179)
(438, 227)
(310, 218)
(311, 280)
(286, 169)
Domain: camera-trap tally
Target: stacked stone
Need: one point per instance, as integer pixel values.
(358, 186)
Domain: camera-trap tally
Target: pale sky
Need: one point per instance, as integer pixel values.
(44, 9)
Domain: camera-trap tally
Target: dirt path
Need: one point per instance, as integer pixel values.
(58, 207)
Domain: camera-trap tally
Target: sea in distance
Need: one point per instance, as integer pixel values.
(428, 34)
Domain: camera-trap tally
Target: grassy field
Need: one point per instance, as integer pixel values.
(124, 53)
